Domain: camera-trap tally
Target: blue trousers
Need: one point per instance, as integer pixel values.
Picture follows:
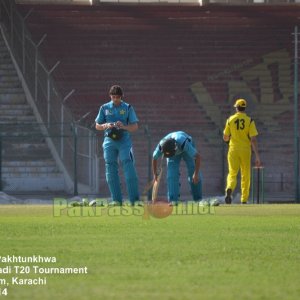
(115, 151)
(173, 175)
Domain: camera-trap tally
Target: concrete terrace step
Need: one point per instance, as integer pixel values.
(21, 145)
(29, 163)
(21, 110)
(12, 171)
(8, 77)
(30, 173)
(7, 66)
(28, 154)
(11, 90)
(10, 85)
(5, 57)
(13, 118)
(3, 47)
(11, 99)
(18, 132)
(35, 182)
(8, 72)
(9, 106)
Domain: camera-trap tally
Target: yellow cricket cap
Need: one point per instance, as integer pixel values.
(240, 103)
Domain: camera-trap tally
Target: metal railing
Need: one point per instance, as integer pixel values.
(25, 153)
(48, 104)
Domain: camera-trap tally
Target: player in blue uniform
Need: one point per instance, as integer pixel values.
(119, 116)
(176, 146)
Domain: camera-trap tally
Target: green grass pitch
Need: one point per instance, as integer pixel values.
(232, 252)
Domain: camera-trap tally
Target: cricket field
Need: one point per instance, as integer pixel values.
(224, 252)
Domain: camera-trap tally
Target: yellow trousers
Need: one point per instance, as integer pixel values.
(239, 160)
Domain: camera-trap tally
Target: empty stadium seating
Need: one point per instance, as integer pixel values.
(180, 67)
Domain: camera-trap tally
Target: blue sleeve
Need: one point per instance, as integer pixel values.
(132, 117)
(100, 119)
(190, 149)
(157, 153)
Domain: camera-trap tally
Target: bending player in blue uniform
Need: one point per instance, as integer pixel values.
(117, 119)
(176, 146)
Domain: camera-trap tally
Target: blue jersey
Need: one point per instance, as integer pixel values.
(184, 143)
(109, 113)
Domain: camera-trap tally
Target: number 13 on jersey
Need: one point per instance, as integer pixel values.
(240, 124)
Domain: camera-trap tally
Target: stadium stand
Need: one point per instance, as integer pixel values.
(24, 149)
(181, 67)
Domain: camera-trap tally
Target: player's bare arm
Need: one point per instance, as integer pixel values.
(197, 168)
(226, 138)
(104, 126)
(130, 127)
(154, 169)
(255, 150)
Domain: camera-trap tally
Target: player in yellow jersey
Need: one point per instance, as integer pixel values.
(240, 131)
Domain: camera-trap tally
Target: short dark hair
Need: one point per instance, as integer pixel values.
(116, 90)
(169, 147)
(240, 108)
